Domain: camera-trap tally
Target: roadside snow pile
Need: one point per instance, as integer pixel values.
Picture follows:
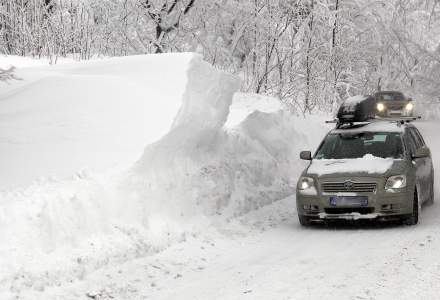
(202, 167)
(99, 114)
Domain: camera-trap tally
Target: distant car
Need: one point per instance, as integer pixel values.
(393, 104)
(377, 170)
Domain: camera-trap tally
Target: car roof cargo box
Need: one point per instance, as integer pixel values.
(359, 108)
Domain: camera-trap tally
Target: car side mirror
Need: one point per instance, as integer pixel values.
(422, 153)
(305, 155)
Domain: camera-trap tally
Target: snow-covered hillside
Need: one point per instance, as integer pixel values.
(83, 127)
(60, 120)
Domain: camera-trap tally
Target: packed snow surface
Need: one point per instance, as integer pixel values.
(368, 164)
(102, 235)
(266, 254)
(63, 119)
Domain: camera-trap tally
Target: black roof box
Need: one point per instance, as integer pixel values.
(359, 108)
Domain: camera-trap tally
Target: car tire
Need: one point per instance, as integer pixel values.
(413, 218)
(431, 192)
(304, 220)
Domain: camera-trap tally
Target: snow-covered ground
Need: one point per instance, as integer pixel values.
(109, 160)
(165, 187)
(266, 254)
(63, 119)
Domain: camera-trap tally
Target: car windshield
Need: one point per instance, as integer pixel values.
(390, 97)
(357, 145)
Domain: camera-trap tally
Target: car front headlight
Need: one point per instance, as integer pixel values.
(305, 183)
(380, 107)
(409, 106)
(306, 186)
(395, 183)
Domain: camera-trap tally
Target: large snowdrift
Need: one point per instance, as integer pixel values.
(193, 169)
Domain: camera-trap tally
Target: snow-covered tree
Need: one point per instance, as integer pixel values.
(309, 53)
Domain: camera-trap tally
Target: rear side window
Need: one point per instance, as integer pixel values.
(417, 138)
(419, 135)
(411, 141)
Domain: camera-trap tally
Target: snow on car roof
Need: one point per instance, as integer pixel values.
(355, 99)
(376, 126)
(368, 164)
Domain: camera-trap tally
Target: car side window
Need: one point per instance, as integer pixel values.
(419, 135)
(412, 146)
(416, 139)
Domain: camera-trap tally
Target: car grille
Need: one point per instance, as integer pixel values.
(355, 187)
(349, 210)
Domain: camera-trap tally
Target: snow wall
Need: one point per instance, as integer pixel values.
(202, 167)
(200, 171)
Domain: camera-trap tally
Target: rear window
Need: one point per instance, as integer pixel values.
(357, 145)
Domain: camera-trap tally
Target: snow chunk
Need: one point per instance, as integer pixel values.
(245, 104)
(368, 164)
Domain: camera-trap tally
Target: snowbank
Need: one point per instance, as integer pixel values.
(225, 171)
(207, 166)
(193, 168)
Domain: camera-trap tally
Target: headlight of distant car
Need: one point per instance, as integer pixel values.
(395, 182)
(380, 107)
(306, 183)
(409, 106)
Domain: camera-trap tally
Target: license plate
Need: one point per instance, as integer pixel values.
(348, 200)
(395, 112)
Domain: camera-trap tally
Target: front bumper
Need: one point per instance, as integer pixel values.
(401, 112)
(381, 205)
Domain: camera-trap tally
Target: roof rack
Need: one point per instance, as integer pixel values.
(401, 120)
(341, 123)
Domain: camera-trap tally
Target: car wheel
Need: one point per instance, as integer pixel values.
(413, 219)
(304, 220)
(431, 192)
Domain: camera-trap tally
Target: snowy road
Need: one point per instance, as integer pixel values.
(267, 255)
